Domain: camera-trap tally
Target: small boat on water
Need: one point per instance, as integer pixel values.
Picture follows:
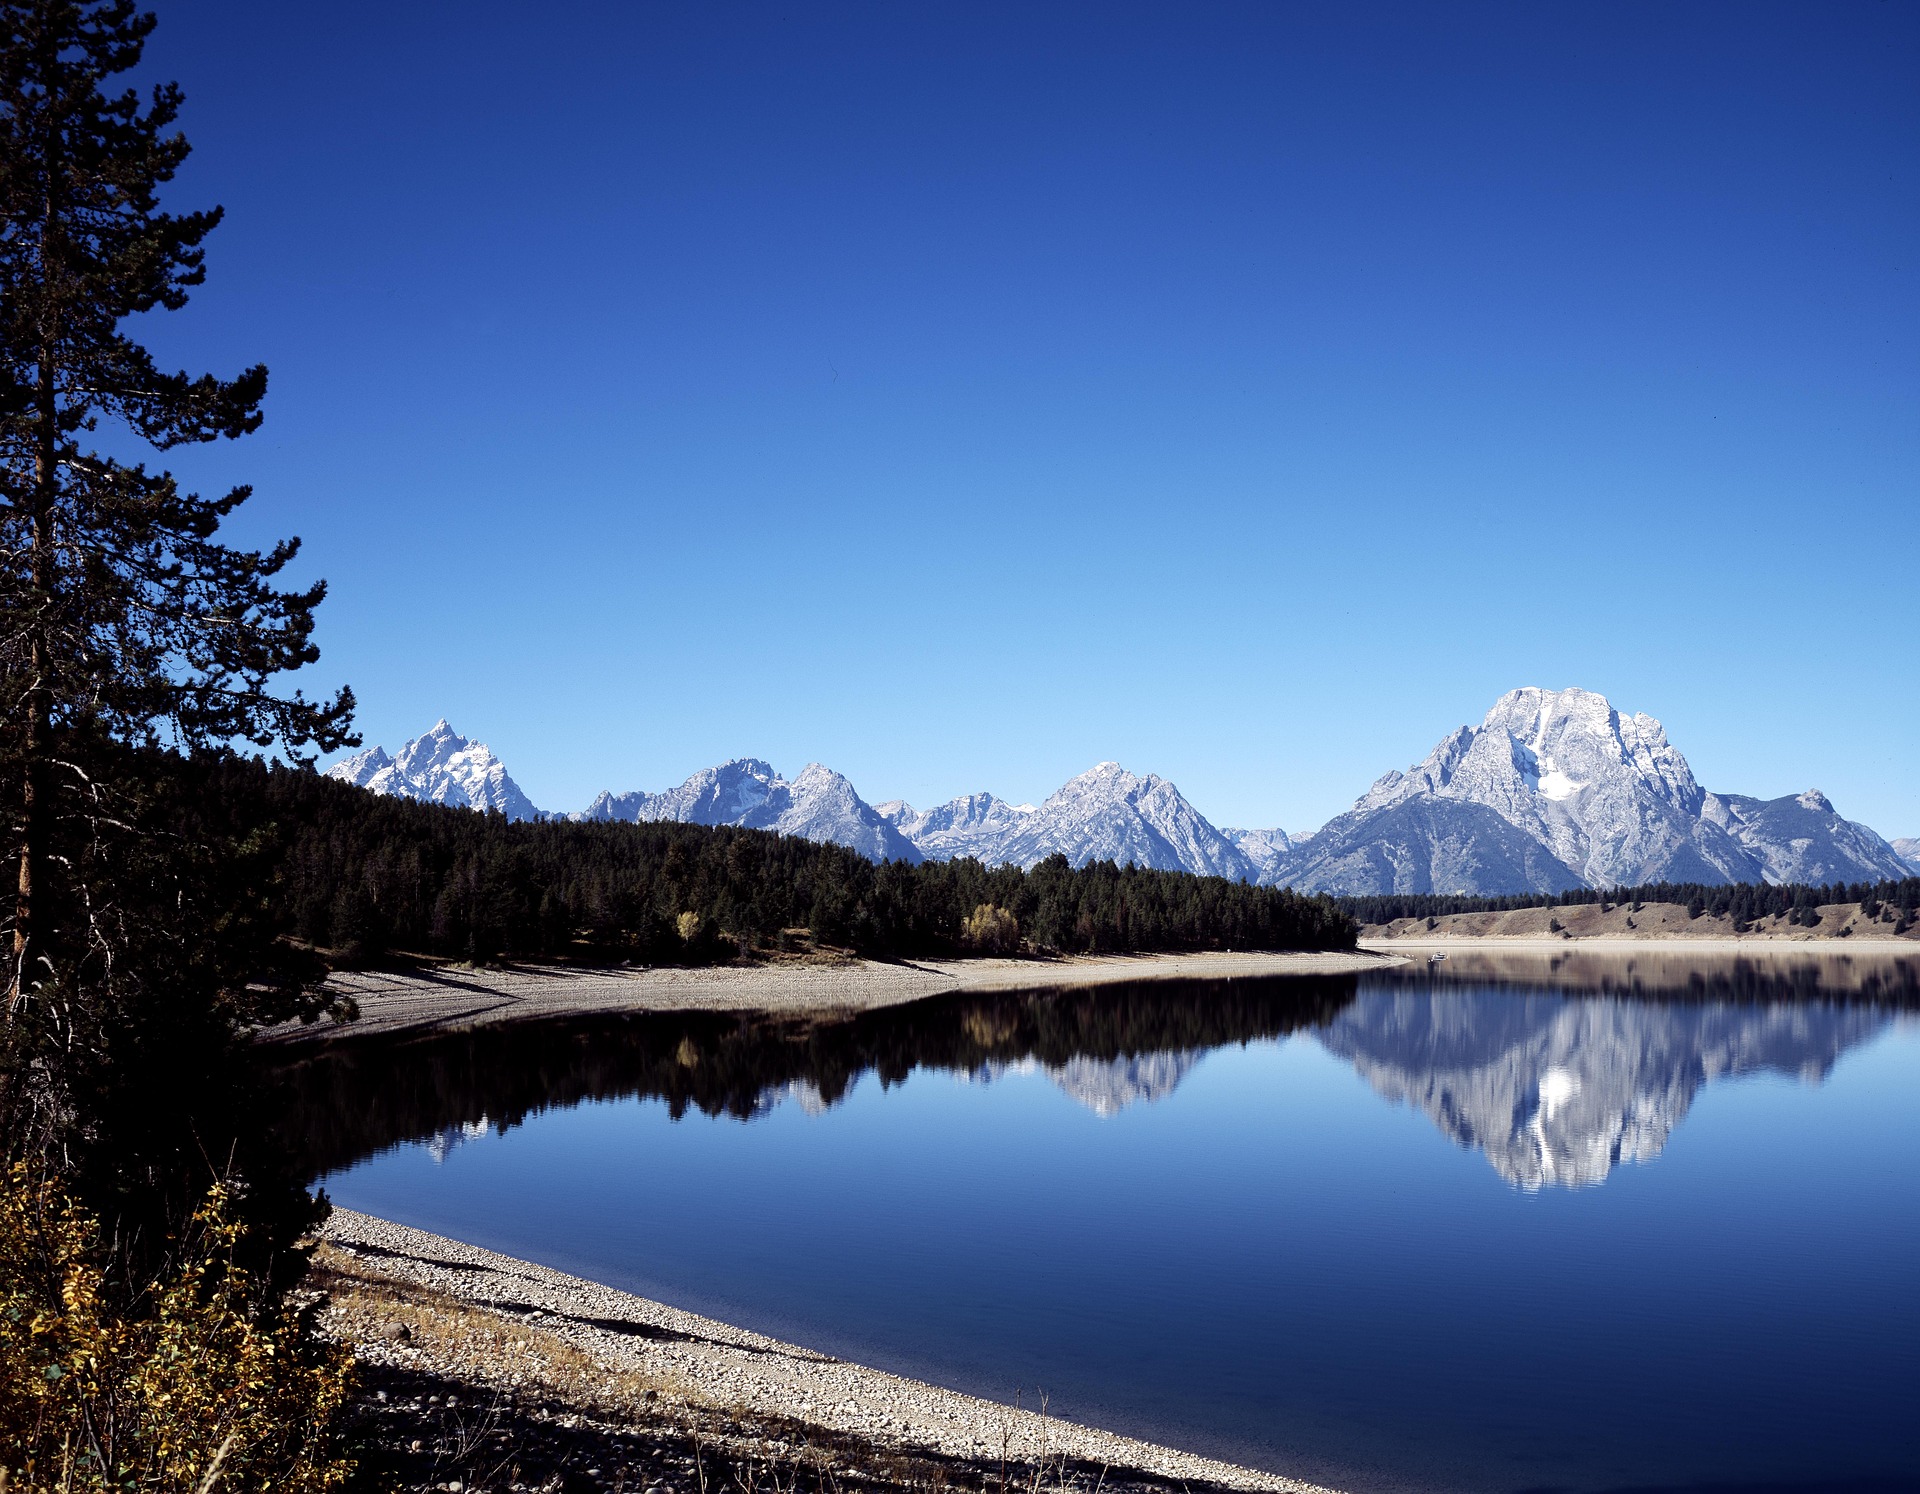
(1434, 959)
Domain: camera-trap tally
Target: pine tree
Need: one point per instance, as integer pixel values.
(125, 623)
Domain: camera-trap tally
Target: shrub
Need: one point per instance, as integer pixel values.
(991, 929)
(196, 1379)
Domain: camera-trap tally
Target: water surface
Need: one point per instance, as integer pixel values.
(1573, 1226)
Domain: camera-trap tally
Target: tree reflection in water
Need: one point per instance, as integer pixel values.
(1557, 1070)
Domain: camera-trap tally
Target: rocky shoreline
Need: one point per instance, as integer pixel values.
(484, 1371)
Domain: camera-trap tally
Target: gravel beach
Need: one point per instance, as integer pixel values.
(634, 1380)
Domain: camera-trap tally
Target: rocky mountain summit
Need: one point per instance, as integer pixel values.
(1554, 789)
(819, 805)
(1557, 789)
(1907, 848)
(439, 767)
(1104, 814)
(972, 825)
(1557, 1092)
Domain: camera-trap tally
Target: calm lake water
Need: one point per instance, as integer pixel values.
(1570, 1225)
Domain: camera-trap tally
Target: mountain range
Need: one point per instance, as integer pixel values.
(1552, 790)
(1558, 1092)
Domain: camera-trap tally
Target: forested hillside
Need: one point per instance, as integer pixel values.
(370, 877)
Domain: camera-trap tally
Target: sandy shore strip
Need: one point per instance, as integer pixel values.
(1672, 946)
(451, 996)
(666, 1361)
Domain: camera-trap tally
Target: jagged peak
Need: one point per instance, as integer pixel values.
(757, 767)
(820, 774)
(1101, 774)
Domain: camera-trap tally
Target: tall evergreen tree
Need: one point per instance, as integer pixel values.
(125, 622)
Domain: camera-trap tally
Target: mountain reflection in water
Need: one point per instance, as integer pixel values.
(1558, 1090)
(1556, 1070)
(349, 1098)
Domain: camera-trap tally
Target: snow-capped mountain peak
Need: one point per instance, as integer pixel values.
(1109, 814)
(439, 767)
(1556, 788)
(1103, 814)
(973, 825)
(1552, 789)
(818, 805)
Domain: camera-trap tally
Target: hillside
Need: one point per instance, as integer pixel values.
(1651, 921)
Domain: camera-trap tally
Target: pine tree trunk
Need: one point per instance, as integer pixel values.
(34, 805)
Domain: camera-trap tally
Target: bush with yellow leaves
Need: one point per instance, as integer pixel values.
(991, 929)
(193, 1382)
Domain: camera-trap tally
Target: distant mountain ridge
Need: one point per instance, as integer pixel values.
(1557, 789)
(1552, 790)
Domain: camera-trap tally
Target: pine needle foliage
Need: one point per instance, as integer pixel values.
(144, 1340)
(124, 618)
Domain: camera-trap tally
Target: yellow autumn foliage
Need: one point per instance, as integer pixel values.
(205, 1385)
(992, 929)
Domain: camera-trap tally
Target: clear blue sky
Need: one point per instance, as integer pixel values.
(963, 394)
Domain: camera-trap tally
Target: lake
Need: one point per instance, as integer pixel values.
(1491, 1225)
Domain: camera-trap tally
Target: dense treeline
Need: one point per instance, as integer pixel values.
(1744, 902)
(368, 876)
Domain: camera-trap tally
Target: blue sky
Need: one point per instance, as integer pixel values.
(963, 394)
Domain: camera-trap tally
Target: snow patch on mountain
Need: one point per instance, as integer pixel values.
(818, 805)
(1554, 789)
(1605, 796)
(1104, 814)
(974, 825)
(1266, 850)
(439, 767)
